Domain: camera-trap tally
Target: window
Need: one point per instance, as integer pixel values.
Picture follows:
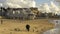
(18, 12)
(13, 12)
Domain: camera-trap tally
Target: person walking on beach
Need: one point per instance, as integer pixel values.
(28, 27)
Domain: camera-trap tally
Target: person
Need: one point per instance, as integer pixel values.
(56, 21)
(28, 27)
(1, 21)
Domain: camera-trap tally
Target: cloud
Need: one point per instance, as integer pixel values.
(49, 8)
(18, 3)
(57, 0)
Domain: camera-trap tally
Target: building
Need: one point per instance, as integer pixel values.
(19, 13)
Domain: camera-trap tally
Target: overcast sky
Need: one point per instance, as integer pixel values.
(43, 1)
(38, 2)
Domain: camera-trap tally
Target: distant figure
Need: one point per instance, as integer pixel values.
(28, 27)
(1, 21)
(56, 21)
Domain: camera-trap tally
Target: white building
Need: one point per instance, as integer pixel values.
(21, 13)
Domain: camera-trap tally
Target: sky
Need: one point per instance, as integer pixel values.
(24, 3)
(38, 2)
(42, 1)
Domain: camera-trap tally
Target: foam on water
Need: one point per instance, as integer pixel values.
(56, 29)
(53, 31)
